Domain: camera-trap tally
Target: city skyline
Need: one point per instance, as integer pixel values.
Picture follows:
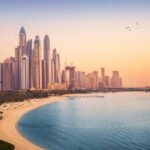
(95, 29)
(29, 70)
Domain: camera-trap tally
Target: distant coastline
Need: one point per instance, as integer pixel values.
(21, 95)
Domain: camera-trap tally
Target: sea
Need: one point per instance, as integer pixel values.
(96, 121)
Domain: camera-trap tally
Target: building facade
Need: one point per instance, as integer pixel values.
(25, 72)
(37, 64)
(46, 62)
(19, 52)
(8, 74)
(56, 75)
(116, 81)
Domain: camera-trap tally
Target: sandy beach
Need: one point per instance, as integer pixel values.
(12, 112)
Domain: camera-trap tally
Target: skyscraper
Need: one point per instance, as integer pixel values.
(25, 72)
(116, 81)
(9, 74)
(37, 64)
(95, 79)
(103, 76)
(77, 80)
(83, 76)
(22, 37)
(29, 54)
(58, 69)
(19, 51)
(46, 62)
(56, 77)
(71, 78)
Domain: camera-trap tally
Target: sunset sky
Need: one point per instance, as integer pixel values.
(88, 33)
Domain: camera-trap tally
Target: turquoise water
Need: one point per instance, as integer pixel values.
(119, 121)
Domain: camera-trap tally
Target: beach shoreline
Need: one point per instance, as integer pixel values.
(12, 112)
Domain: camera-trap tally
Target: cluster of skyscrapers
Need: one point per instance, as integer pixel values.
(30, 69)
(96, 80)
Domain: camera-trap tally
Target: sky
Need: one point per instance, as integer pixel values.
(114, 34)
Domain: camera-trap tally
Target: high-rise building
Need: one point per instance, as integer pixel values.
(56, 76)
(9, 74)
(103, 76)
(52, 72)
(18, 55)
(29, 54)
(88, 81)
(37, 64)
(77, 80)
(116, 81)
(92, 80)
(19, 52)
(43, 75)
(70, 76)
(95, 79)
(58, 69)
(25, 72)
(22, 41)
(46, 62)
(22, 37)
